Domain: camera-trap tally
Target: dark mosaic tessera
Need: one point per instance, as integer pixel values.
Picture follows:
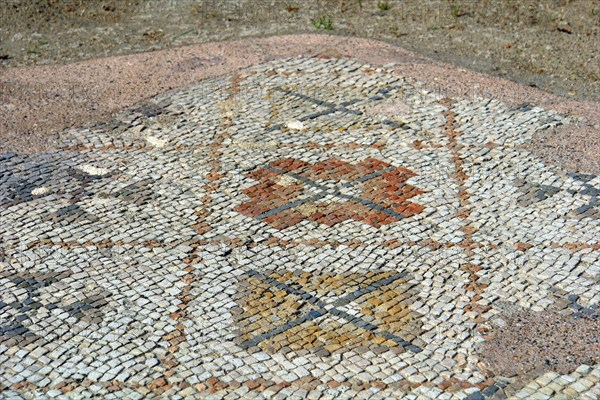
(306, 228)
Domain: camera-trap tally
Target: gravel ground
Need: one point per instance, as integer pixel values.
(551, 44)
(528, 342)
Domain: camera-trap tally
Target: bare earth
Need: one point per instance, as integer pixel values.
(550, 44)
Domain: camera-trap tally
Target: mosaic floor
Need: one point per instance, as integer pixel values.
(308, 228)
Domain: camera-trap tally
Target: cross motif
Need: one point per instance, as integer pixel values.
(271, 297)
(330, 192)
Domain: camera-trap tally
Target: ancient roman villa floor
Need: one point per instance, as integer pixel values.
(306, 228)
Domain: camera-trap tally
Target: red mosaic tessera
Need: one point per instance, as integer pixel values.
(329, 192)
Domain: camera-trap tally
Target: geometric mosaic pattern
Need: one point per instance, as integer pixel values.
(26, 306)
(274, 234)
(280, 306)
(533, 193)
(330, 192)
